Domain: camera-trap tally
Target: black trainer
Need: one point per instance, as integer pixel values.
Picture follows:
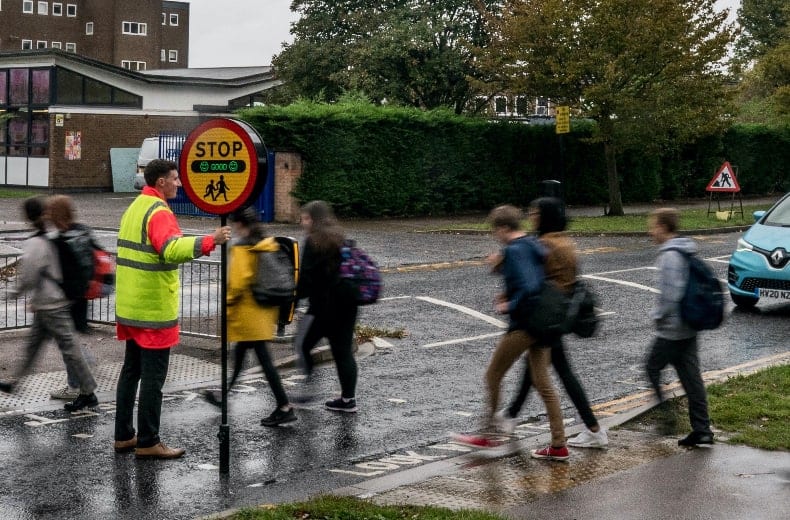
(214, 397)
(279, 417)
(82, 401)
(6, 387)
(342, 405)
(694, 438)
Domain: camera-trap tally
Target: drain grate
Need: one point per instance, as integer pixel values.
(34, 389)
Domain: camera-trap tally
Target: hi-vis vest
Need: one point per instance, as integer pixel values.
(146, 288)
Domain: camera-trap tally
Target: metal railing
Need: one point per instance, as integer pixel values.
(199, 304)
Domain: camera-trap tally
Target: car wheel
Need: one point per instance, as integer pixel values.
(746, 302)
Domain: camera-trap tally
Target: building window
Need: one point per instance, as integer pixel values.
(41, 44)
(43, 8)
(89, 28)
(57, 9)
(172, 56)
(27, 44)
(164, 18)
(133, 65)
(71, 47)
(27, 6)
(163, 55)
(71, 10)
(56, 45)
(173, 19)
(135, 28)
(522, 105)
(500, 105)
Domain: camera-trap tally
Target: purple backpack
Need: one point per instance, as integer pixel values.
(358, 269)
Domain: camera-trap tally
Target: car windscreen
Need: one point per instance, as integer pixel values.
(779, 215)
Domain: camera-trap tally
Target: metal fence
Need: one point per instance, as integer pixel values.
(199, 306)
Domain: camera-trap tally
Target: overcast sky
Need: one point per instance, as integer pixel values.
(241, 33)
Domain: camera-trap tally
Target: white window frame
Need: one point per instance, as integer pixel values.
(42, 8)
(172, 56)
(89, 28)
(57, 9)
(142, 28)
(163, 55)
(164, 18)
(27, 6)
(41, 44)
(133, 65)
(174, 19)
(56, 45)
(27, 44)
(71, 47)
(71, 10)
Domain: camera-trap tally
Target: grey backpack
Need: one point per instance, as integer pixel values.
(275, 280)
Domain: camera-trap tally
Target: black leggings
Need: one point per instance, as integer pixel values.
(569, 381)
(339, 330)
(269, 370)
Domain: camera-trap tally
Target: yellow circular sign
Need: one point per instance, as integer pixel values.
(219, 166)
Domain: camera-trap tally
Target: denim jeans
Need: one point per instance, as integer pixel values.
(148, 368)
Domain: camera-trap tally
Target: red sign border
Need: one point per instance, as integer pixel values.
(240, 131)
(735, 189)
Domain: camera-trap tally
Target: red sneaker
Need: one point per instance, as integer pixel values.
(551, 453)
(476, 441)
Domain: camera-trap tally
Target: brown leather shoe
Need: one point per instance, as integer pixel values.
(126, 446)
(159, 451)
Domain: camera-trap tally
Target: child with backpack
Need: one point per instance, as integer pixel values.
(676, 339)
(40, 273)
(333, 301)
(251, 324)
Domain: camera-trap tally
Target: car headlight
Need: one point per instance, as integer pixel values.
(743, 245)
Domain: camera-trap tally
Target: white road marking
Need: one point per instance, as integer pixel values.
(621, 282)
(396, 401)
(462, 340)
(466, 310)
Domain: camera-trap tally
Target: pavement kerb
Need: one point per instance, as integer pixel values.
(687, 232)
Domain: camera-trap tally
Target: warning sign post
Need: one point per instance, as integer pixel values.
(724, 180)
(222, 169)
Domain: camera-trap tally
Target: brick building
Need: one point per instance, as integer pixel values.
(139, 35)
(61, 114)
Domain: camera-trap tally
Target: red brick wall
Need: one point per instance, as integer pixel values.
(288, 168)
(99, 133)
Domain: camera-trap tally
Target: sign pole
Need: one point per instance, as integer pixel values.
(224, 428)
(219, 166)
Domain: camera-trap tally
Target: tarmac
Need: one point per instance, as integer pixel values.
(642, 475)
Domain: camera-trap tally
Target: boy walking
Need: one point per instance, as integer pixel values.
(676, 341)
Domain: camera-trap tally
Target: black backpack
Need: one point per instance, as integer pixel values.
(581, 318)
(275, 279)
(702, 306)
(75, 254)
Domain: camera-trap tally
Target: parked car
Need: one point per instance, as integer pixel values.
(759, 268)
(170, 147)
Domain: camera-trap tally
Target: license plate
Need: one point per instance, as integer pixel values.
(773, 295)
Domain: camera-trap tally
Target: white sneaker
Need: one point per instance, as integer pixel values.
(589, 439)
(66, 392)
(505, 422)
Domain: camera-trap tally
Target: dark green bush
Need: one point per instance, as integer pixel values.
(392, 161)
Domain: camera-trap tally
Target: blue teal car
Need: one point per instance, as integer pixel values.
(760, 266)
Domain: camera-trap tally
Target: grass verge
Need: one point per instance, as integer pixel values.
(6, 193)
(690, 219)
(331, 508)
(751, 410)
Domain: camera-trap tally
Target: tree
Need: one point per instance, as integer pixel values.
(764, 24)
(647, 71)
(410, 52)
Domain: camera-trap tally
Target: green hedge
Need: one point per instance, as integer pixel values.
(390, 161)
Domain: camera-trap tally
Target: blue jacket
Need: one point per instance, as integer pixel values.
(522, 268)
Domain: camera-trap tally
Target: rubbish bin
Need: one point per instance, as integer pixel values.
(551, 188)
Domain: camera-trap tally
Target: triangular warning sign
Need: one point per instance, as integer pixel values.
(724, 180)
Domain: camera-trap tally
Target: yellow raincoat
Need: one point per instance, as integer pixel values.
(248, 321)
